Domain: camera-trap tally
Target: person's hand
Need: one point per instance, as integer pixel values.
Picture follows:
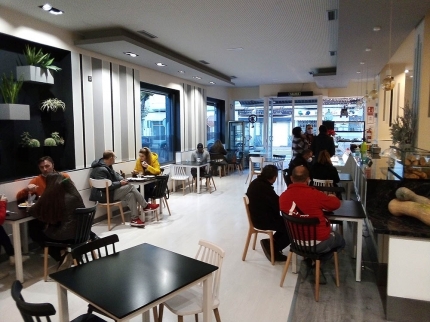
(144, 164)
(32, 187)
(123, 182)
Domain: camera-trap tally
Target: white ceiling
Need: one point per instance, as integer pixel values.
(282, 40)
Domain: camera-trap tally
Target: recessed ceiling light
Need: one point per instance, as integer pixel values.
(362, 63)
(160, 64)
(235, 49)
(181, 72)
(376, 28)
(54, 11)
(358, 72)
(197, 77)
(406, 71)
(368, 49)
(213, 83)
(129, 53)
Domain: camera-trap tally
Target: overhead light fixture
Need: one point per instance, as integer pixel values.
(406, 71)
(362, 63)
(181, 72)
(48, 8)
(376, 28)
(388, 82)
(197, 77)
(213, 83)
(160, 64)
(368, 49)
(129, 53)
(358, 72)
(235, 49)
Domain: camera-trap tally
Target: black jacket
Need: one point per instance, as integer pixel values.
(103, 171)
(297, 161)
(324, 172)
(322, 142)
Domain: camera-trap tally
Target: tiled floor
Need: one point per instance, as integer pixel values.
(249, 290)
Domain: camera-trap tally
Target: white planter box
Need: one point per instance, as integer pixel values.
(33, 74)
(49, 76)
(14, 112)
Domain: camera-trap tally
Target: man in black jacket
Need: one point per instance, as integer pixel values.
(323, 141)
(264, 209)
(120, 188)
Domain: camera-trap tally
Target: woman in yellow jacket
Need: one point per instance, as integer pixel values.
(147, 163)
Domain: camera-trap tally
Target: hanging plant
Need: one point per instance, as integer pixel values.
(52, 105)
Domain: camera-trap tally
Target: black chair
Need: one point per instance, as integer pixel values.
(42, 311)
(302, 233)
(81, 253)
(161, 191)
(218, 161)
(84, 221)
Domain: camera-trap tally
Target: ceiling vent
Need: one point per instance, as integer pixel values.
(329, 71)
(332, 52)
(331, 15)
(147, 34)
(204, 62)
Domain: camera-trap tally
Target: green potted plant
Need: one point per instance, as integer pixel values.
(28, 142)
(9, 89)
(39, 65)
(57, 138)
(403, 128)
(52, 105)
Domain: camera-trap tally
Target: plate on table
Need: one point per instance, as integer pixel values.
(24, 205)
(149, 176)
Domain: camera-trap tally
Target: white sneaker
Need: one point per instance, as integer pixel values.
(12, 259)
(3, 275)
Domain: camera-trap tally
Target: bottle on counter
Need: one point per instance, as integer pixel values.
(363, 147)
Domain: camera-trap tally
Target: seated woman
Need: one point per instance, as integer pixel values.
(55, 213)
(323, 169)
(147, 164)
(218, 156)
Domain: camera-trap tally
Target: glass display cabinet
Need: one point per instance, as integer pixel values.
(409, 163)
(238, 139)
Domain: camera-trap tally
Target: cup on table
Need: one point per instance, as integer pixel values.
(199, 160)
(140, 175)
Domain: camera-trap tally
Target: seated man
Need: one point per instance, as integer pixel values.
(264, 209)
(37, 185)
(202, 156)
(301, 199)
(304, 159)
(120, 188)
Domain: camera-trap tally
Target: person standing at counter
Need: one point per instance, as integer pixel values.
(299, 143)
(147, 163)
(323, 141)
(37, 185)
(309, 135)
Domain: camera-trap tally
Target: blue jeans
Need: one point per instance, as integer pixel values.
(335, 241)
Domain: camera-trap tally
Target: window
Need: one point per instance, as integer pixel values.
(160, 121)
(215, 110)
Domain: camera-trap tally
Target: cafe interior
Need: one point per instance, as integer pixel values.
(169, 75)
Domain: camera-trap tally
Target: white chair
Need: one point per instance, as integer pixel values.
(190, 301)
(252, 169)
(179, 174)
(105, 184)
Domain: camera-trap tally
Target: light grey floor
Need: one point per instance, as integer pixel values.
(249, 290)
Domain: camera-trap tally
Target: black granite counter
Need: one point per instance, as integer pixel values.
(381, 188)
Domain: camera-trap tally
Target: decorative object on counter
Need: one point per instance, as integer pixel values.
(39, 66)
(9, 89)
(410, 204)
(328, 116)
(28, 142)
(52, 105)
(403, 128)
(344, 112)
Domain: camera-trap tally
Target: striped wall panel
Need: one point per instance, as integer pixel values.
(193, 110)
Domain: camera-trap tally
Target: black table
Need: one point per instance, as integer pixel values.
(131, 282)
(346, 178)
(15, 217)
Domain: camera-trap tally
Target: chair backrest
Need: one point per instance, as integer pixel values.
(302, 233)
(214, 255)
(179, 171)
(81, 253)
(248, 213)
(322, 183)
(101, 184)
(85, 218)
(255, 160)
(160, 190)
(279, 156)
(30, 310)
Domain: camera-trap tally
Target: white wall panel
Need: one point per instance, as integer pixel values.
(88, 111)
(130, 129)
(77, 110)
(116, 103)
(107, 106)
(137, 115)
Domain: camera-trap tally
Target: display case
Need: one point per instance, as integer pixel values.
(238, 139)
(410, 163)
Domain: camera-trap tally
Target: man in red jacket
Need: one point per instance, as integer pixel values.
(302, 199)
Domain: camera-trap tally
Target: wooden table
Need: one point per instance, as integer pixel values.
(141, 182)
(131, 282)
(194, 164)
(15, 217)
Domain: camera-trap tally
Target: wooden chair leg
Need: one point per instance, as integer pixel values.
(108, 216)
(122, 213)
(213, 181)
(248, 239)
(217, 317)
(285, 270)
(272, 250)
(167, 205)
(180, 318)
(183, 187)
(155, 313)
(317, 280)
(196, 317)
(160, 312)
(336, 267)
(255, 240)
(45, 263)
